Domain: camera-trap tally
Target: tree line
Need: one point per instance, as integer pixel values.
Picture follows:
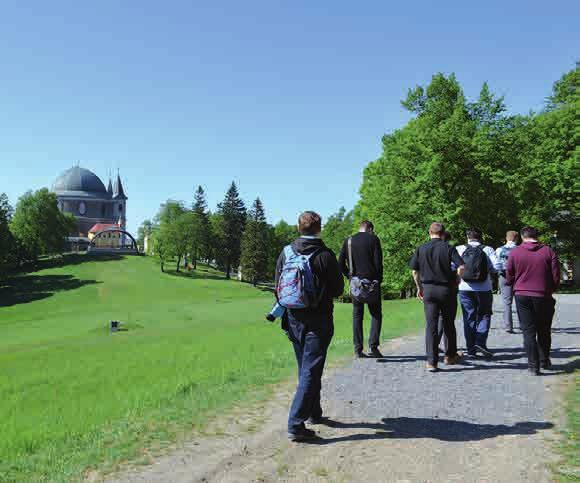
(35, 227)
(229, 237)
(470, 163)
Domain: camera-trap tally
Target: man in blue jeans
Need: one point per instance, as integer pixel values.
(475, 293)
(311, 329)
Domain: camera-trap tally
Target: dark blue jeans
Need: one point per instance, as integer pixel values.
(477, 310)
(310, 341)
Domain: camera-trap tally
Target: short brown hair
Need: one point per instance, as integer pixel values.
(436, 228)
(530, 232)
(512, 235)
(367, 225)
(309, 223)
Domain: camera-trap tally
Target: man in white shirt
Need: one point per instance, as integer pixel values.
(475, 293)
(507, 295)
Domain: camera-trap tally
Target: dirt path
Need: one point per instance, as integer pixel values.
(392, 421)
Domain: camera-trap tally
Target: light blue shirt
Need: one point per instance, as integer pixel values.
(492, 262)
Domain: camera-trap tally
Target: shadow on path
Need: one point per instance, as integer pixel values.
(440, 429)
(28, 288)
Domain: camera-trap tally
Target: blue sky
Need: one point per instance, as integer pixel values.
(289, 99)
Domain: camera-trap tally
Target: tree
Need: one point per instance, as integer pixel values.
(7, 243)
(39, 226)
(232, 212)
(255, 244)
(175, 232)
(280, 235)
(201, 240)
(338, 227)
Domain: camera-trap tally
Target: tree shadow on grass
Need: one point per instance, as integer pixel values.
(196, 275)
(28, 288)
(439, 429)
(68, 259)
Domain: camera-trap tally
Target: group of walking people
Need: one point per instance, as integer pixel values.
(309, 277)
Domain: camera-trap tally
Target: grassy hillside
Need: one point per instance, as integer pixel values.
(74, 397)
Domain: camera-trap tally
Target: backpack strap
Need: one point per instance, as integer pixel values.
(350, 267)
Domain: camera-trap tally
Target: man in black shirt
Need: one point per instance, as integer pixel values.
(434, 265)
(311, 329)
(367, 261)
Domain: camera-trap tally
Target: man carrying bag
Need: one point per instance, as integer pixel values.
(361, 261)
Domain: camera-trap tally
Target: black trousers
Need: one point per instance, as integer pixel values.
(376, 311)
(440, 331)
(439, 299)
(535, 315)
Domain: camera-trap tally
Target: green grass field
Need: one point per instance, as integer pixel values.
(74, 397)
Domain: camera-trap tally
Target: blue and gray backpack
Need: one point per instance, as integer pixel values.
(297, 286)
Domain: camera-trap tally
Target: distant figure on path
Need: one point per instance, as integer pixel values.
(361, 261)
(533, 270)
(308, 319)
(507, 296)
(475, 293)
(440, 329)
(433, 271)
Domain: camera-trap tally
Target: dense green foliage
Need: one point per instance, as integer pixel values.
(338, 227)
(74, 397)
(254, 258)
(471, 164)
(38, 226)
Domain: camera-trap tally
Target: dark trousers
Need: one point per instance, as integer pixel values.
(535, 315)
(376, 311)
(440, 327)
(310, 346)
(477, 310)
(438, 299)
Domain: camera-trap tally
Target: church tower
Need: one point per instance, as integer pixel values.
(119, 203)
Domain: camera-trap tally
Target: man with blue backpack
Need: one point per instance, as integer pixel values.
(307, 280)
(506, 291)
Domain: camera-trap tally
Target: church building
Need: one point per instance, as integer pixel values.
(81, 193)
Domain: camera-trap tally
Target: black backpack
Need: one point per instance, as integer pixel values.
(475, 260)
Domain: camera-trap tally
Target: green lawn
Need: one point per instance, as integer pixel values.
(568, 469)
(74, 397)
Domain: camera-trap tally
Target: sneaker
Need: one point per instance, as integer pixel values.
(375, 353)
(547, 365)
(485, 351)
(431, 367)
(317, 420)
(451, 360)
(302, 434)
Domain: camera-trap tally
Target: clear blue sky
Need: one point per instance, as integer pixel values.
(289, 99)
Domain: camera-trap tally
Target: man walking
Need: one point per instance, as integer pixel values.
(435, 277)
(311, 327)
(362, 257)
(507, 296)
(475, 293)
(446, 237)
(533, 270)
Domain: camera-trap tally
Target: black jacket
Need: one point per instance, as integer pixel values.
(326, 269)
(367, 256)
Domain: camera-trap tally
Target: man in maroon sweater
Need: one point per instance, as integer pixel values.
(533, 270)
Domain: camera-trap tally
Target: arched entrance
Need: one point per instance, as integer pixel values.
(113, 240)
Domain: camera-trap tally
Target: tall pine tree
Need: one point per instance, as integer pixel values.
(232, 217)
(7, 245)
(201, 239)
(255, 249)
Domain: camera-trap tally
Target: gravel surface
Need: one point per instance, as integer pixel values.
(393, 421)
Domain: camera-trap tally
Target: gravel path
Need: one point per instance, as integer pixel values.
(482, 421)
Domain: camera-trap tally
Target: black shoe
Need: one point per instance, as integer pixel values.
(547, 365)
(317, 420)
(510, 331)
(534, 372)
(301, 435)
(375, 354)
(485, 351)
(360, 355)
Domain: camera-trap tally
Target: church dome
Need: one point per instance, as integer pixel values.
(79, 181)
